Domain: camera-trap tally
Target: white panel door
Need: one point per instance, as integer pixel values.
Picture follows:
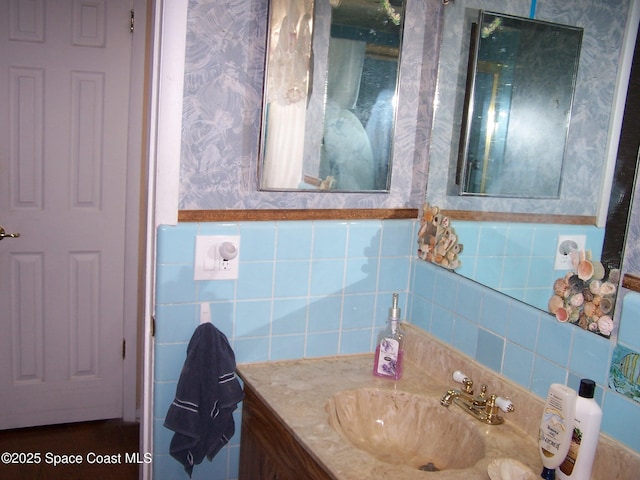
(64, 96)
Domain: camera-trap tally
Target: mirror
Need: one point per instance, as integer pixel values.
(331, 79)
(592, 149)
(520, 86)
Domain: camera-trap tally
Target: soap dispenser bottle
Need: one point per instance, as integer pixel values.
(389, 353)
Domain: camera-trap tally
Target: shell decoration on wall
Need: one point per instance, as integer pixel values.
(437, 239)
(585, 296)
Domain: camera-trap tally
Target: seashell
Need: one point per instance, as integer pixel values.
(575, 258)
(555, 302)
(574, 315)
(509, 469)
(630, 367)
(423, 230)
(576, 300)
(594, 286)
(441, 250)
(561, 287)
(562, 315)
(583, 321)
(589, 309)
(605, 325)
(588, 296)
(614, 276)
(598, 270)
(585, 270)
(593, 327)
(429, 212)
(452, 240)
(575, 283)
(606, 305)
(607, 288)
(596, 300)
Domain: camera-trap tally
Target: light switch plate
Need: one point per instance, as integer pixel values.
(212, 262)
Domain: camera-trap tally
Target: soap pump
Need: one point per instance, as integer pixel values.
(389, 353)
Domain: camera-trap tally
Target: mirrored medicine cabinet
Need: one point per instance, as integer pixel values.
(329, 102)
(520, 87)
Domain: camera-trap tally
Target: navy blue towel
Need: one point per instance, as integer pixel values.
(208, 392)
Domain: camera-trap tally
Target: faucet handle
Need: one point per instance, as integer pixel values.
(505, 404)
(460, 377)
(491, 414)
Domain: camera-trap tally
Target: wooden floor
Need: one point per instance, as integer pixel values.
(88, 443)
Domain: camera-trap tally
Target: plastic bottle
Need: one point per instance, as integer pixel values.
(556, 427)
(389, 353)
(586, 432)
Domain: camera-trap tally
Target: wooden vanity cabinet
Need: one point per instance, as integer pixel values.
(268, 450)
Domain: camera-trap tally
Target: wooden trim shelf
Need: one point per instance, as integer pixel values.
(631, 282)
(473, 215)
(296, 214)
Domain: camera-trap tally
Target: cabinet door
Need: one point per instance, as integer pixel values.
(268, 450)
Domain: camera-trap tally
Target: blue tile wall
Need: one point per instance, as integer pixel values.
(629, 334)
(304, 289)
(518, 258)
(297, 298)
(520, 342)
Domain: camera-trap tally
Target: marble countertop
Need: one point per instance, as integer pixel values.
(298, 392)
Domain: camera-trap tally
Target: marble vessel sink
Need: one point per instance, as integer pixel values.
(406, 429)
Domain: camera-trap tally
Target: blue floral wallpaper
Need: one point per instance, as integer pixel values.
(224, 70)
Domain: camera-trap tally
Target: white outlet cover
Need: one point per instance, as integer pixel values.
(562, 261)
(208, 262)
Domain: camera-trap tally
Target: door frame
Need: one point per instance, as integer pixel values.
(135, 230)
(168, 31)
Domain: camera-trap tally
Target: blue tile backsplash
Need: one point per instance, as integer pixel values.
(317, 288)
(518, 259)
(305, 289)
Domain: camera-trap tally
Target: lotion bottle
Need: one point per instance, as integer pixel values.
(586, 432)
(389, 353)
(556, 428)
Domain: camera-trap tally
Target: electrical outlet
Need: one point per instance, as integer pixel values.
(566, 245)
(217, 257)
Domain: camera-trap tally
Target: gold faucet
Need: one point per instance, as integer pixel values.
(487, 410)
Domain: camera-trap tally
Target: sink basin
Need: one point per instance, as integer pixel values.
(407, 429)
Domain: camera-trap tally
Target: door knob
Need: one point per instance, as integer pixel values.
(7, 235)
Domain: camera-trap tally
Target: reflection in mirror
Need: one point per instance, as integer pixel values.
(329, 100)
(521, 82)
